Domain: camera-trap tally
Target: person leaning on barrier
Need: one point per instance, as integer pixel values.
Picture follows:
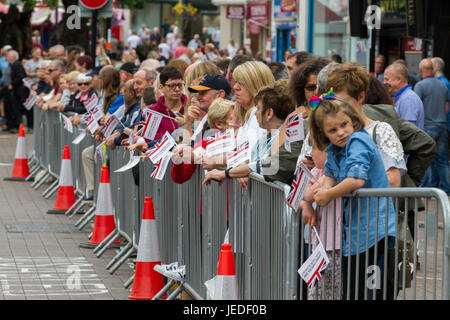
(212, 86)
(303, 84)
(129, 120)
(270, 158)
(350, 82)
(171, 104)
(96, 84)
(84, 93)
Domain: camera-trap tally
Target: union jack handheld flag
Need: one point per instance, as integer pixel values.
(302, 176)
(312, 269)
(222, 143)
(159, 168)
(161, 148)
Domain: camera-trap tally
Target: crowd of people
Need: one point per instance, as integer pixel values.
(359, 131)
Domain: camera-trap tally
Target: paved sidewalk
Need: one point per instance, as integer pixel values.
(40, 257)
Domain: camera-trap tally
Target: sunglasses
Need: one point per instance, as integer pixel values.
(311, 87)
(51, 70)
(84, 83)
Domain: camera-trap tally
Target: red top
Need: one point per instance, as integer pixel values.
(182, 172)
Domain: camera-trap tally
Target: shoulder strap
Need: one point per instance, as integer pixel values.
(374, 135)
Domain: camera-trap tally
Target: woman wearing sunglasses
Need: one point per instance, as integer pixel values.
(82, 95)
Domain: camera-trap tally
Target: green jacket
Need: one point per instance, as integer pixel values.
(281, 166)
(418, 145)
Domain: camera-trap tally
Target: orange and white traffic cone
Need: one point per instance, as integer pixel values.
(104, 222)
(20, 170)
(226, 282)
(65, 197)
(147, 282)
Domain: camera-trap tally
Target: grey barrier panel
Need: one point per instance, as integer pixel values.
(214, 226)
(125, 192)
(191, 228)
(81, 178)
(130, 194)
(238, 221)
(38, 133)
(97, 172)
(116, 181)
(264, 232)
(54, 142)
(274, 229)
(47, 125)
(65, 138)
(431, 241)
(166, 210)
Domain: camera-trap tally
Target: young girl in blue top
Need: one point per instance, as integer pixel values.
(353, 161)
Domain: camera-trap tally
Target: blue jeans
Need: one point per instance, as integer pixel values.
(438, 173)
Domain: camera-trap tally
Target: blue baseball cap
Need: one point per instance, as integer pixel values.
(94, 71)
(212, 81)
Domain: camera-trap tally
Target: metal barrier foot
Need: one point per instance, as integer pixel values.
(41, 181)
(80, 199)
(108, 245)
(33, 173)
(123, 250)
(164, 289)
(101, 244)
(89, 215)
(77, 209)
(121, 260)
(128, 283)
(52, 186)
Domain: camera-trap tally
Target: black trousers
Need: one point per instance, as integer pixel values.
(13, 112)
(375, 274)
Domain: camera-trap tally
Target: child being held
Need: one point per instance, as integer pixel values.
(220, 114)
(220, 117)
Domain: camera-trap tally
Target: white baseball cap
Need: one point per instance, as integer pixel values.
(6, 47)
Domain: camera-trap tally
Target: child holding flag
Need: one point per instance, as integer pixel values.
(329, 222)
(353, 161)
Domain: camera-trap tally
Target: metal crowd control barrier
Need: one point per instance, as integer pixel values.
(408, 275)
(267, 236)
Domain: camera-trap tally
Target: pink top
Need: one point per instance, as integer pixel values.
(329, 217)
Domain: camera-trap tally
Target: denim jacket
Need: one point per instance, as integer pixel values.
(360, 159)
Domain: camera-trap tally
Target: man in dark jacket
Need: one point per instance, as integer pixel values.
(129, 120)
(16, 95)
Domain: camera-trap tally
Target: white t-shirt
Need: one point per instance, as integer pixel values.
(133, 41)
(251, 131)
(165, 50)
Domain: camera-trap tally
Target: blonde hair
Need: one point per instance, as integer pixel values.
(71, 76)
(253, 75)
(218, 111)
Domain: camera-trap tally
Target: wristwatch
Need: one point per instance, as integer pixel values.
(227, 173)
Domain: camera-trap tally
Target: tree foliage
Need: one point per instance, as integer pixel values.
(132, 4)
